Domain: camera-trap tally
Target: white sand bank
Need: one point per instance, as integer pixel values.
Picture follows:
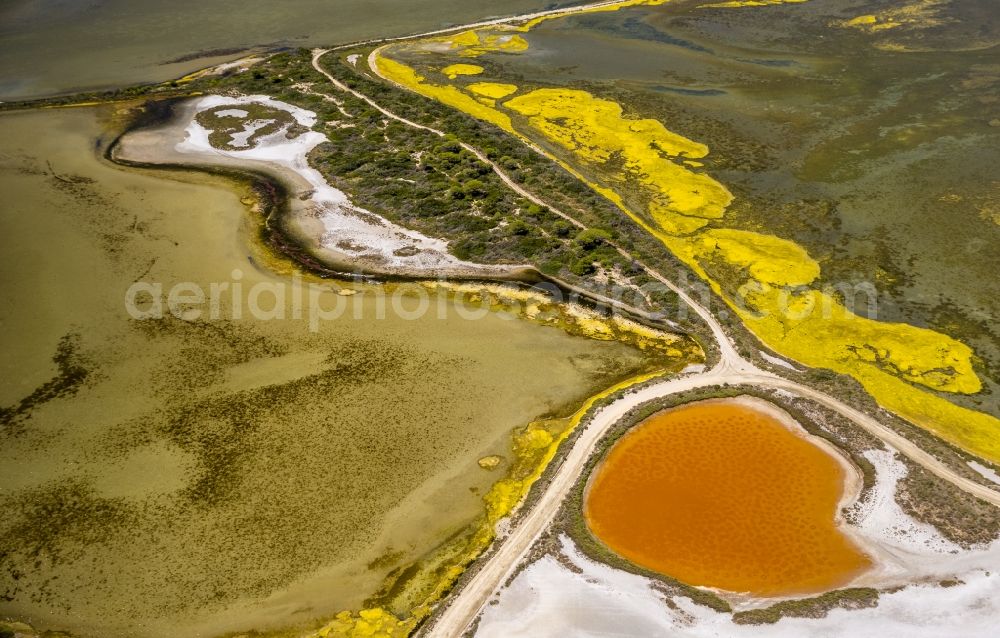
(777, 361)
(321, 218)
(549, 599)
(988, 473)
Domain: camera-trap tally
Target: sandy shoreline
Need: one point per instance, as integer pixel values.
(315, 223)
(314, 216)
(575, 595)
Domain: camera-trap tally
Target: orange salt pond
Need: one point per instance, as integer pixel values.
(722, 494)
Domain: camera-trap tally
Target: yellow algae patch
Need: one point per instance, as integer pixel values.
(735, 4)
(490, 462)
(590, 323)
(605, 116)
(530, 24)
(814, 328)
(572, 318)
(464, 39)
(534, 448)
(869, 23)
(971, 430)
(886, 358)
(455, 70)
(473, 43)
(990, 212)
(916, 15)
(492, 89)
(373, 623)
(595, 130)
(70, 106)
(509, 43)
(407, 77)
(767, 258)
(617, 155)
(894, 47)
(861, 20)
(504, 294)
(974, 431)
(645, 338)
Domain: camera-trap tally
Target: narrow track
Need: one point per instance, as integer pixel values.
(458, 612)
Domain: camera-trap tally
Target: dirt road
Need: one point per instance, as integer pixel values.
(462, 608)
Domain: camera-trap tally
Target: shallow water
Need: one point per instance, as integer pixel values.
(841, 153)
(55, 46)
(881, 162)
(189, 478)
(724, 495)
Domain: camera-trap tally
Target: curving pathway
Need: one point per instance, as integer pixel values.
(458, 613)
(464, 606)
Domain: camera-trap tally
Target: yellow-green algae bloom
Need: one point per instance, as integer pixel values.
(594, 129)
(533, 447)
(870, 23)
(452, 96)
(492, 89)
(530, 24)
(455, 70)
(768, 259)
(736, 4)
(916, 15)
(473, 43)
(367, 623)
(651, 180)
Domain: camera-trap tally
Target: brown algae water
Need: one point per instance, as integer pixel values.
(198, 477)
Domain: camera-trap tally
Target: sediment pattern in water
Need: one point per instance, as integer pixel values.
(166, 477)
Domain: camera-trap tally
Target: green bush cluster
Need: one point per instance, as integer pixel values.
(816, 607)
(431, 184)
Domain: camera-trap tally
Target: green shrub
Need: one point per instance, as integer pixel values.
(591, 238)
(562, 228)
(582, 267)
(518, 227)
